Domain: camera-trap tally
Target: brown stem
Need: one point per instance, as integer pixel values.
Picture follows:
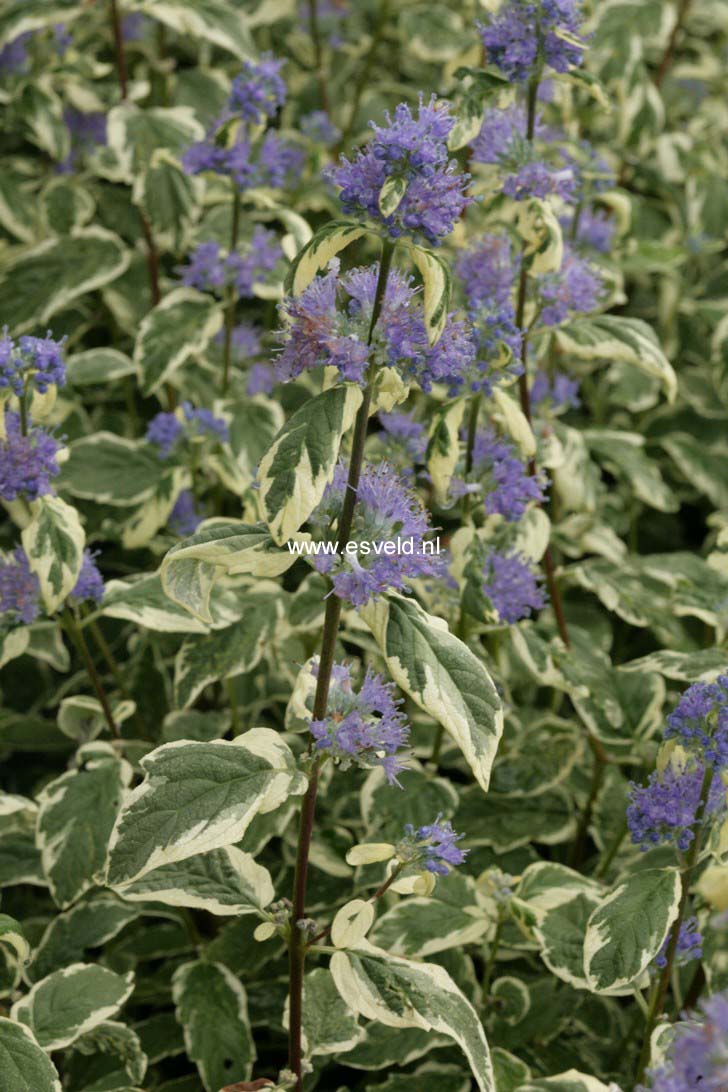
(658, 1000)
(576, 855)
(121, 70)
(74, 631)
(315, 32)
(669, 54)
(232, 297)
(332, 617)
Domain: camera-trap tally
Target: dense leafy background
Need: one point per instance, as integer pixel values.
(149, 977)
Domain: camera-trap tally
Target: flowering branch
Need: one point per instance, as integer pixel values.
(296, 945)
(660, 992)
(232, 295)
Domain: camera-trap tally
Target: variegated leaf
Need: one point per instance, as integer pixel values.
(197, 797)
(53, 542)
(68, 1003)
(437, 281)
(441, 675)
(318, 252)
(301, 461)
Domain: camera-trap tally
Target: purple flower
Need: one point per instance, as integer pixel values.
(504, 130)
(405, 430)
(210, 269)
(689, 944)
(502, 477)
(164, 430)
(261, 379)
(19, 587)
(36, 361)
(14, 55)
(576, 289)
(204, 423)
(90, 583)
(246, 341)
(62, 38)
(259, 91)
(318, 127)
(557, 391)
(329, 323)
(488, 271)
(27, 462)
(697, 1058)
(536, 178)
(167, 430)
(595, 228)
(414, 151)
(700, 722)
(271, 162)
(184, 518)
(364, 728)
(665, 809)
(512, 586)
(132, 26)
(387, 544)
(523, 32)
(433, 848)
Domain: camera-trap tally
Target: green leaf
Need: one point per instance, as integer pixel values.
(617, 338)
(25, 1066)
(507, 822)
(124, 1049)
(223, 882)
(228, 652)
(200, 796)
(301, 461)
(179, 327)
(168, 196)
(65, 206)
(560, 934)
(20, 16)
(391, 194)
(37, 283)
(11, 933)
(318, 252)
(628, 928)
(443, 445)
(420, 927)
(18, 208)
(437, 281)
(219, 547)
(430, 1077)
(571, 1081)
(136, 134)
(623, 454)
(328, 1026)
(441, 675)
(98, 366)
(539, 228)
(403, 994)
(111, 470)
(212, 1008)
(217, 21)
(702, 666)
(53, 542)
(144, 602)
(68, 1003)
(76, 817)
(89, 924)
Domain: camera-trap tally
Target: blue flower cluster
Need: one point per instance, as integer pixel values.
(501, 477)
(230, 149)
(31, 362)
(512, 586)
(211, 269)
(20, 590)
(387, 542)
(413, 151)
(329, 322)
(689, 945)
(27, 460)
(167, 430)
(697, 1057)
(575, 288)
(363, 727)
(259, 90)
(432, 848)
(487, 271)
(668, 808)
(523, 34)
(558, 392)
